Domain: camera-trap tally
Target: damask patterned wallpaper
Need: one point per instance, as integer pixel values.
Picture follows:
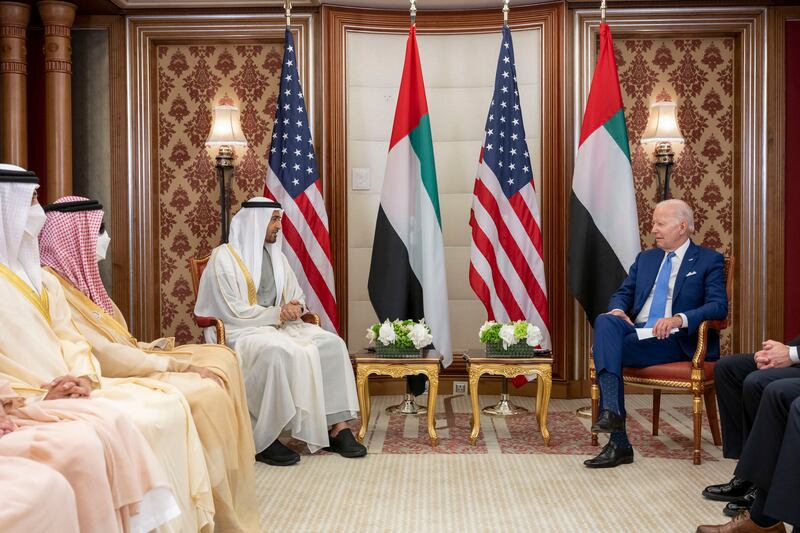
(698, 75)
(191, 80)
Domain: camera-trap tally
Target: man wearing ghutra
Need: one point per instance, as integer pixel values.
(297, 375)
(54, 353)
(71, 243)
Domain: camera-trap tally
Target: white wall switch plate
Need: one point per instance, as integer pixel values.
(361, 181)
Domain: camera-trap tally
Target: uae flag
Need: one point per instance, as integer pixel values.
(407, 274)
(604, 227)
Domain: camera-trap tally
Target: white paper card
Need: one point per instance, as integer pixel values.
(647, 333)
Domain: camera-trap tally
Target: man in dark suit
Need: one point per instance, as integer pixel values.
(741, 381)
(669, 291)
(770, 460)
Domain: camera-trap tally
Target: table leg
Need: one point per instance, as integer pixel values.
(363, 404)
(433, 389)
(545, 386)
(474, 376)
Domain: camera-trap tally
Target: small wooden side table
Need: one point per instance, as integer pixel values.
(367, 365)
(509, 368)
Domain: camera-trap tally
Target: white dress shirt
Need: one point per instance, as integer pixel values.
(644, 314)
(793, 355)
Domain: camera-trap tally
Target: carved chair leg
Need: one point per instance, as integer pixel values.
(697, 411)
(710, 395)
(595, 408)
(656, 410)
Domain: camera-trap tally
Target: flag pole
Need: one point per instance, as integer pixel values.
(287, 5)
(505, 12)
(603, 11)
(413, 11)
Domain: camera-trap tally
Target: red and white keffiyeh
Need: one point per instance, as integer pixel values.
(68, 245)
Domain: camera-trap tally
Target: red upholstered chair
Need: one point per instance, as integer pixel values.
(196, 267)
(695, 377)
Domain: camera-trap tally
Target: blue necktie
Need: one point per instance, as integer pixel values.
(659, 305)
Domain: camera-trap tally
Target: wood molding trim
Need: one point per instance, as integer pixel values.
(776, 152)
(120, 195)
(144, 34)
(337, 22)
(758, 232)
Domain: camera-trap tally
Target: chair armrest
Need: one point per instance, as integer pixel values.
(310, 318)
(700, 351)
(210, 321)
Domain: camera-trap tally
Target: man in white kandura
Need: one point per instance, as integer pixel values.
(297, 375)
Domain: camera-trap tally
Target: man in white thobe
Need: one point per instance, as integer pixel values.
(297, 375)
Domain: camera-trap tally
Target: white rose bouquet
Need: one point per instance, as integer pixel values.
(399, 337)
(518, 338)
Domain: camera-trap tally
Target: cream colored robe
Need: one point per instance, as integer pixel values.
(27, 485)
(99, 451)
(45, 344)
(295, 373)
(219, 414)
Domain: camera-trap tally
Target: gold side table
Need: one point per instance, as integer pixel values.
(509, 368)
(367, 365)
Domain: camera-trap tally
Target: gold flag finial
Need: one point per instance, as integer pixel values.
(287, 5)
(505, 12)
(413, 11)
(603, 11)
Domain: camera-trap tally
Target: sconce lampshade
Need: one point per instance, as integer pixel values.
(662, 125)
(226, 129)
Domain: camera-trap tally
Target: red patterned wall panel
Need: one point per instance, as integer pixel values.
(698, 75)
(191, 80)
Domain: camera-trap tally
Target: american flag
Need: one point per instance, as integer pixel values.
(293, 180)
(506, 268)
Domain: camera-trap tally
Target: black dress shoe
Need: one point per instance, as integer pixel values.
(277, 454)
(735, 489)
(611, 456)
(608, 422)
(741, 505)
(346, 445)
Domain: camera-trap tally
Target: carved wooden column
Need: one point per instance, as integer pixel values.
(14, 19)
(57, 18)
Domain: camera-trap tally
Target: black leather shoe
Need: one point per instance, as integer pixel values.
(608, 422)
(733, 490)
(346, 445)
(277, 454)
(739, 506)
(611, 456)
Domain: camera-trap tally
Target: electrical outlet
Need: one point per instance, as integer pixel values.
(459, 387)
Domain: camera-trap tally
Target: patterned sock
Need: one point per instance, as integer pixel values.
(609, 384)
(757, 510)
(620, 438)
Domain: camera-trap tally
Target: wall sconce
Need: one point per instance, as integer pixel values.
(226, 132)
(662, 128)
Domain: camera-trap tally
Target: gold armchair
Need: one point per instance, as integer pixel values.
(695, 377)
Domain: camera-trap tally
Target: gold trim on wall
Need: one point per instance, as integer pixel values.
(757, 240)
(145, 33)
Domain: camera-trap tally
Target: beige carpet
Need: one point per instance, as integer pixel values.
(488, 491)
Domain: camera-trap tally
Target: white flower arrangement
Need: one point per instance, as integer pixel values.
(510, 334)
(400, 334)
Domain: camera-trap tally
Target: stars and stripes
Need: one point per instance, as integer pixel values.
(506, 260)
(293, 179)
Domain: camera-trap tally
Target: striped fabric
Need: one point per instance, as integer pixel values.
(604, 224)
(506, 268)
(407, 277)
(293, 180)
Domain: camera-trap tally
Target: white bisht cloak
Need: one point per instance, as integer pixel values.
(281, 363)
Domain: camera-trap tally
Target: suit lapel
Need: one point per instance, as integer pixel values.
(688, 264)
(648, 278)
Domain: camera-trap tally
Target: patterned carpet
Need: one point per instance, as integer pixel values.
(509, 481)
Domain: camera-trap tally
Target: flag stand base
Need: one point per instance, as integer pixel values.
(584, 412)
(407, 407)
(504, 407)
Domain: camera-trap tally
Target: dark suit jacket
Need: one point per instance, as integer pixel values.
(699, 292)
